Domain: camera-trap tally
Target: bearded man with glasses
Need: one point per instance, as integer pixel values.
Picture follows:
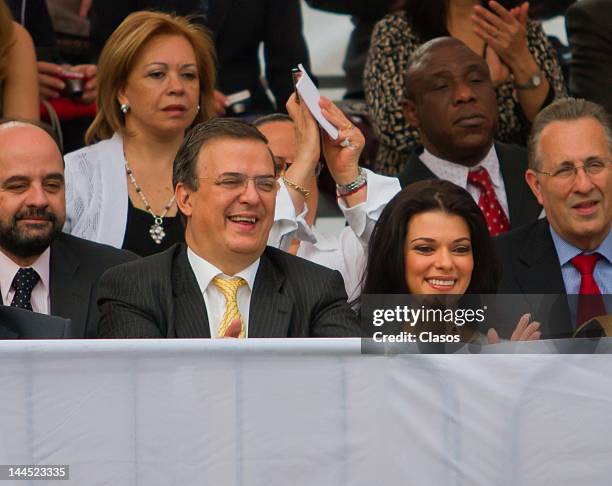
(570, 251)
(225, 282)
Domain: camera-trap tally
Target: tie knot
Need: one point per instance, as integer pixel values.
(480, 177)
(25, 279)
(585, 264)
(229, 286)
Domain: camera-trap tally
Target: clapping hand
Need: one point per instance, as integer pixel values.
(524, 331)
(504, 31)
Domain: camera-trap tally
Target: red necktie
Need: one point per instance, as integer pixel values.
(590, 302)
(497, 222)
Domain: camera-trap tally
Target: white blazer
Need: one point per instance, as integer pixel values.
(97, 198)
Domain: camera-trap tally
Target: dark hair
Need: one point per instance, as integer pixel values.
(385, 268)
(184, 169)
(427, 19)
(272, 118)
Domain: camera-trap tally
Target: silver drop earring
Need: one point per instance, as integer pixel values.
(198, 109)
(125, 108)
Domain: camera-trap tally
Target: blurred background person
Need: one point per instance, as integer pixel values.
(523, 66)
(238, 30)
(589, 31)
(156, 79)
(364, 15)
(67, 90)
(18, 79)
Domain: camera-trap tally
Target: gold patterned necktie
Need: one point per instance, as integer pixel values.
(229, 289)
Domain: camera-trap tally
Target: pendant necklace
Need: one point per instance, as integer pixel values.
(156, 231)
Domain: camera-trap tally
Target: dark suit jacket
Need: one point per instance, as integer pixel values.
(589, 30)
(530, 266)
(159, 297)
(75, 268)
(22, 324)
(522, 204)
(238, 27)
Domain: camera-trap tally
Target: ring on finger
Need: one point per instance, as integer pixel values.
(348, 127)
(345, 143)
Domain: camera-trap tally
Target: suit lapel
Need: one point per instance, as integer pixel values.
(415, 170)
(543, 273)
(190, 319)
(522, 205)
(70, 292)
(541, 264)
(270, 310)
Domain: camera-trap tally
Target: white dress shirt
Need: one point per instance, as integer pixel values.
(214, 299)
(40, 298)
(458, 175)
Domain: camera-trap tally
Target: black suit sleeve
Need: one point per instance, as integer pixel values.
(332, 316)
(284, 47)
(123, 314)
(589, 29)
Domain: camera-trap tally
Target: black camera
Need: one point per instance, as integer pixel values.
(74, 86)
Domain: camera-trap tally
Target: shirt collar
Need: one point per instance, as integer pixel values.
(458, 174)
(206, 271)
(8, 269)
(566, 251)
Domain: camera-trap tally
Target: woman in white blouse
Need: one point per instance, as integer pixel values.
(155, 80)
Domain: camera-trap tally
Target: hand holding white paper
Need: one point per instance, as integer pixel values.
(309, 94)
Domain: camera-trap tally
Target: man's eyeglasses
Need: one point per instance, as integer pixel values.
(282, 165)
(567, 171)
(237, 181)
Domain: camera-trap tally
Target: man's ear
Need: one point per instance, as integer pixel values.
(534, 184)
(184, 199)
(410, 111)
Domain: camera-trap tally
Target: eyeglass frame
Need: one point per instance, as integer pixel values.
(245, 181)
(574, 169)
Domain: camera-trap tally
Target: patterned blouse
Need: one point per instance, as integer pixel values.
(393, 42)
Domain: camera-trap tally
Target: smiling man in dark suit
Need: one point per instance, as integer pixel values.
(225, 282)
(41, 268)
(569, 252)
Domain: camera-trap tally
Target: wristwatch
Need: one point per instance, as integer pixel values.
(533, 82)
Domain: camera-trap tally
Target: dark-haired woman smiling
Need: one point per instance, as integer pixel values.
(432, 238)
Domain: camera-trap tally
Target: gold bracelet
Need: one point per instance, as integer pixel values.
(302, 190)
